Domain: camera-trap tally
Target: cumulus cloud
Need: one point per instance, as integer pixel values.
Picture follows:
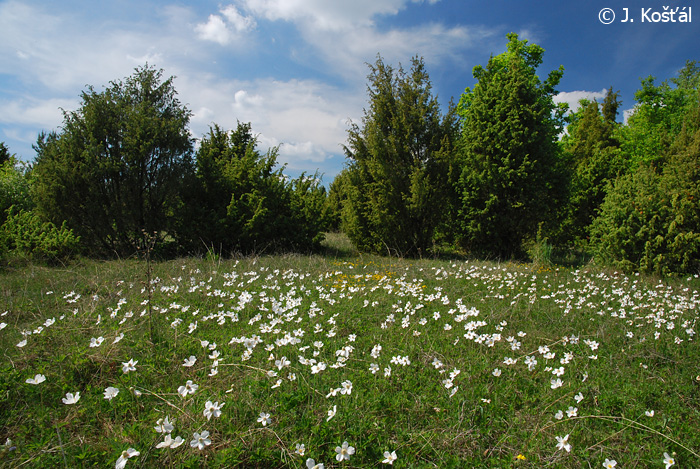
(306, 119)
(324, 14)
(225, 28)
(572, 98)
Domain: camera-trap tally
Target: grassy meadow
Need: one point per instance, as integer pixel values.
(346, 360)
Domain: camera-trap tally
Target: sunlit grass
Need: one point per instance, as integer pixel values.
(447, 363)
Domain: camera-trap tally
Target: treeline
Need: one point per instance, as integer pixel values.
(504, 173)
(122, 176)
(507, 172)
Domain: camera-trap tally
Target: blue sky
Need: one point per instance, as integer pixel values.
(296, 69)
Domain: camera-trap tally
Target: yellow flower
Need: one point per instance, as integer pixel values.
(521, 457)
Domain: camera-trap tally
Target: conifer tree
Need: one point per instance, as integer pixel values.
(512, 179)
(400, 159)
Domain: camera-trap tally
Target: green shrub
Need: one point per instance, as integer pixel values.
(25, 233)
(242, 203)
(14, 187)
(651, 222)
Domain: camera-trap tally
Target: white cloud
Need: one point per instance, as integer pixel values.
(572, 98)
(240, 23)
(305, 118)
(226, 29)
(324, 14)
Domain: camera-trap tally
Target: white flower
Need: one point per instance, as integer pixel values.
(668, 460)
(649, 413)
(96, 342)
(164, 426)
(22, 343)
(129, 366)
(344, 452)
(110, 393)
(389, 458)
(264, 419)
(559, 415)
(200, 440)
(556, 383)
(609, 463)
(311, 464)
(578, 397)
(331, 413)
(188, 388)
(496, 372)
(346, 387)
(563, 444)
(70, 398)
(572, 412)
(169, 442)
(124, 457)
(300, 449)
(37, 379)
(190, 361)
(212, 409)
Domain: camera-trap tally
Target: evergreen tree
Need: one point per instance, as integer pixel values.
(117, 167)
(512, 178)
(594, 159)
(241, 202)
(398, 189)
(4, 154)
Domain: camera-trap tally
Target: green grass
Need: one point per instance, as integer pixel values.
(313, 307)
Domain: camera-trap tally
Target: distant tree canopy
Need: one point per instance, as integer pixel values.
(493, 176)
(242, 203)
(117, 166)
(4, 153)
(649, 220)
(512, 177)
(399, 162)
(592, 150)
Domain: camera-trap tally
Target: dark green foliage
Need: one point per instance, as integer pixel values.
(15, 187)
(240, 202)
(512, 179)
(337, 195)
(397, 188)
(594, 159)
(4, 153)
(117, 166)
(651, 222)
(26, 234)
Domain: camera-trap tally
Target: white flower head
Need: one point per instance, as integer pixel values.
(344, 452)
(124, 457)
(164, 426)
(71, 398)
(200, 440)
(311, 464)
(212, 409)
(389, 458)
(668, 460)
(562, 443)
(111, 392)
(37, 379)
(331, 413)
(264, 419)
